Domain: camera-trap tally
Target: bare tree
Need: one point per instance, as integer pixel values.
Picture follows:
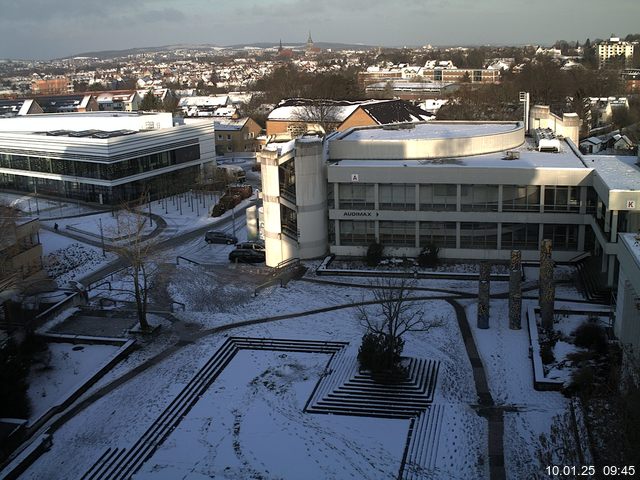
(137, 250)
(396, 314)
(319, 112)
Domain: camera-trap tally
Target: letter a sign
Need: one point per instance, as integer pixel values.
(354, 177)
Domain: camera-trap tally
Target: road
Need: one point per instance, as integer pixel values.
(188, 244)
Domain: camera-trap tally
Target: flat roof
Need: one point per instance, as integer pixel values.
(431, 130)
(529, 158)
(618, 172)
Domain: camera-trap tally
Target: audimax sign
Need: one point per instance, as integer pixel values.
(359, 213)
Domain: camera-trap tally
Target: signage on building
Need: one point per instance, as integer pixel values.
(354, 177)
(631, 204)
(359, 213)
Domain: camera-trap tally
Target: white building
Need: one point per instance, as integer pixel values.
(103, 157)
(614, 47)
(475, 189)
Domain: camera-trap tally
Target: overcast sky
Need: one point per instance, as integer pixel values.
(44, 29)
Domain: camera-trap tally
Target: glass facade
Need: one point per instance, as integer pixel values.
(357, 232)
(438, 197)
(479, 235)
(398, 234)
(99, 170)
(522, 236)
(520, 198)
(159, 186)
(564, 237)
(397, 196)
(441, 234)
(356, 196)
(479, 198)
(561, 199)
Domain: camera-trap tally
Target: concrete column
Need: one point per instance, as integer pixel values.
(417, 233)
(336, 230)
(484, 289)
(336, 196)
(417, 194)
(541, 198)
(457, 234)
(582, 233)
(611, 270)
(376, 196)
(547, 288)
(583, 200)
(515, 290)
(614, 226)
(458, 198)
(499, 235)
(500, 198)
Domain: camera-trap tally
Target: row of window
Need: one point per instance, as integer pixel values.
(103, 171)
(474, 235)
(444, 197)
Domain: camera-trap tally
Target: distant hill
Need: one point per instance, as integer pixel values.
(106, 54)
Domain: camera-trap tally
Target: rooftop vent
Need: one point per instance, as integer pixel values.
(511, 155)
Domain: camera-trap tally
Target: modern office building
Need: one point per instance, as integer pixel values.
(103, 157)
(477, 190)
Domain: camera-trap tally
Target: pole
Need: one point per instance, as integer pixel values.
(35, 190)
(150, 219)
(233, 219)
(102, 239)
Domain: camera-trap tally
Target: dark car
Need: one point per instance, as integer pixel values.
(247, 256)
(213, 236)
(258, 246)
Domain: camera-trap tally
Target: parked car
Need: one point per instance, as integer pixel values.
(258, 246)
(214, 236)
(247, 256)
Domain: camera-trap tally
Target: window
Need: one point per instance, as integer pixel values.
(479, 235)
(564, 237)
(356, 196)
(520, 198)
(220, 136)
(360, 233)
(520, 236)
(441, 234)
(438, 197)
(397, 197)
(228, 136)
(398, 234)
(479, 198)
(561, 199)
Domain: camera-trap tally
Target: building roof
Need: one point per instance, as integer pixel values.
(431, 131)
(230, 125)
(395, 111)
(11, 107)
(618, 172)
(381, 111)
(63, 103)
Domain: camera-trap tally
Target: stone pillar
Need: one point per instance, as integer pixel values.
(515, 290)
(547, 288)
(483, 295)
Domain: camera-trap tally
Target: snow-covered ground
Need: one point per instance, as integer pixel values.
(45, 208)
(528, 413)
(67, 366)
(238, 423)
(73, 260)
(111, 225)
(250, 422)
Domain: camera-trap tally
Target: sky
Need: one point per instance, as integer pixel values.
(45, 29)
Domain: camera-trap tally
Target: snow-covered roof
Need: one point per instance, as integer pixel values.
(230, 124)
(432, 130)
(338, 113)
(204, 101)
(618, 172)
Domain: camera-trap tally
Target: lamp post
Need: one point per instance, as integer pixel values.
(102, 238)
